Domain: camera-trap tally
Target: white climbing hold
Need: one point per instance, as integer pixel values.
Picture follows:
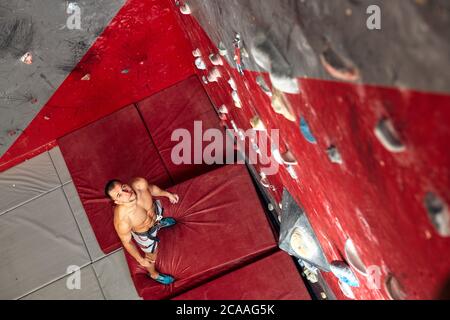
(263, 85)
(388, 136)
(292, 172)
(257, 124)
(185, 9)
(27, 58)
(215, 59)
(268, 57)
(394, 288)
(205, 81)
(200, 64)
(346, 290)
(213, 75)
(261, 52)
(282, 106)
(232, 84)
(285, 84)
(286, 158)
(223, 109)
(236, 99)
(334, 155)
(86, 77)
(439, 213)
(353, 259)
(197, 53)
(222, 50)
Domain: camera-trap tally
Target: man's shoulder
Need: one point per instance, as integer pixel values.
(139, 183)
(120, 212)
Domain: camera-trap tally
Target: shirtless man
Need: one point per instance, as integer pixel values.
(137, 216)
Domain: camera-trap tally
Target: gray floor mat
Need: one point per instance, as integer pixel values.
(39, 240)
(27, 181)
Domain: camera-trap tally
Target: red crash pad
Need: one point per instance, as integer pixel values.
(178, 107)
(273, 278)
(115, 147)
(221, 226)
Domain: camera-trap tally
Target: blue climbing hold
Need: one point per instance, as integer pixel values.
(306, 131)
(343, 272)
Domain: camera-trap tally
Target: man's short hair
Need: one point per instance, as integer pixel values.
(109, 186)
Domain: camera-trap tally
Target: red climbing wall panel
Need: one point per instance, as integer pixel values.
(375, 197)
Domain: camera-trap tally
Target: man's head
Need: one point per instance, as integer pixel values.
(119, 192)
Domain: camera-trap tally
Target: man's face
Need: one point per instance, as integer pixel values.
(122, 193)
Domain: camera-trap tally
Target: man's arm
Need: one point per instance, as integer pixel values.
(142, 184)
(123, 230)
(158, 192)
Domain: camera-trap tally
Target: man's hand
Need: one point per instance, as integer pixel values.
(173, 198)
(146, 262)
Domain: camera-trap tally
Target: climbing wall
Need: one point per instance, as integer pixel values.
(140, 52)
(363, 122)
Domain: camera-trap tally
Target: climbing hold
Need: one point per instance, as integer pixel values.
(388, 136)
(264, 181)
(223, 117)
(309, 271)
(303, 244)
(263, 85)
(286, 158)
(263, 51)
(353, 259)
(197, 53)
(223, 109)
(343, 272)
(257, 124)
(185, 9)
(125, 71)
(12, 132)
(222, 49)
(86, 77)
(289, 159)
(270, 207)
(306, 131)
(236, 99)
(216, 59)
(213, 75)
(284, 83)
(268, 57)
(282, 106)
(200, 64)
(232, 84)
(27, 58)
(290, 169)
(205, 81)
(346, 290)
(438, 213)
(394, 288)
(46, 118)
(334, 155)
(338, 67)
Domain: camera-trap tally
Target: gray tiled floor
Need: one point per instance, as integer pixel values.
(44, 229)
